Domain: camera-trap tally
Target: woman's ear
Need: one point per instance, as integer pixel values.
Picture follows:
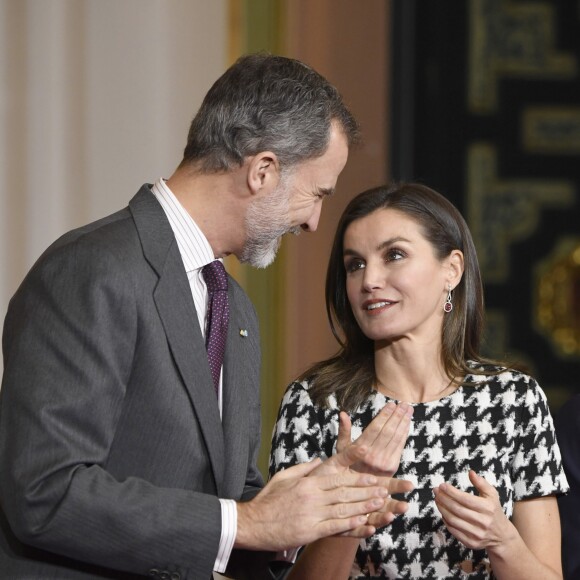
(263, 172)
(456, 267)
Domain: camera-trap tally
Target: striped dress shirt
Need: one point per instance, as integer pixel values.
(196, 252)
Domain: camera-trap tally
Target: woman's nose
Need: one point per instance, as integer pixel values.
(373, 278)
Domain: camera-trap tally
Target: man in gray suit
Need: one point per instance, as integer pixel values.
(119, 458)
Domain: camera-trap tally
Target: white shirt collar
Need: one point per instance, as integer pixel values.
(193, 245)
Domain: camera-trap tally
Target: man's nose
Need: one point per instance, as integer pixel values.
(312, 223)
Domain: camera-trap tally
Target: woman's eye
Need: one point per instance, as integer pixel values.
(354, 265)
(394, 255)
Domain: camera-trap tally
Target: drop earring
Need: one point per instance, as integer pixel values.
(448, 306)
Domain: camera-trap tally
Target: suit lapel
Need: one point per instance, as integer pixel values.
(241, 371)
(235, 412)
(177, 312)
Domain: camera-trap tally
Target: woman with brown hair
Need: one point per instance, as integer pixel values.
(405, 301)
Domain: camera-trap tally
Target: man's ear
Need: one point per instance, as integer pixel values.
(456, 266)
(263, 172)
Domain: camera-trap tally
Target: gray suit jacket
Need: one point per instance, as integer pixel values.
(112, 451)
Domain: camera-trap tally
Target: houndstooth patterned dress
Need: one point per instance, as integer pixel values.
(501, 428)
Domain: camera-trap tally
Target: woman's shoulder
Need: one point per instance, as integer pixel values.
(503, 378)
(485, 370)
(298, 392)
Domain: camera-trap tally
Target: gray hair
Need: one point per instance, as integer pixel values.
(265, 102)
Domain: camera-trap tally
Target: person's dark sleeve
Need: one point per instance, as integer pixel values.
(567, 421)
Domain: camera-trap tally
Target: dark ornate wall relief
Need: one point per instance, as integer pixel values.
(509, 39)
(502, 211)
(486, 109)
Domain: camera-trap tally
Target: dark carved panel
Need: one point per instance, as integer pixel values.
(486, 109)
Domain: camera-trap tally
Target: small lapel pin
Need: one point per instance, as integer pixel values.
(243, 332)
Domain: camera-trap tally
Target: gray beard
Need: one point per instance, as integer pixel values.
(260, 254)
(260, 251)
(266, 223)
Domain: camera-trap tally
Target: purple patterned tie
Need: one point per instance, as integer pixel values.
(218, 310)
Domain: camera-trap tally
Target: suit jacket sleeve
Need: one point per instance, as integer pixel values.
(73, 342)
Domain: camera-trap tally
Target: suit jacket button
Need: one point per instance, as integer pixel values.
(153, 572)
(175, 576)
(164, 575)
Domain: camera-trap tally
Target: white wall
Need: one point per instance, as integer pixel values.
(96, 97)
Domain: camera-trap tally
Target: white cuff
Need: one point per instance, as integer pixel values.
(228, 536)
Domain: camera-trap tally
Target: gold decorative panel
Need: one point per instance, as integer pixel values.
(502, 211)
(551, 130)
(511, 39)
(557, 300)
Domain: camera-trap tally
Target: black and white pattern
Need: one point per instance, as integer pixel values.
(502, 429)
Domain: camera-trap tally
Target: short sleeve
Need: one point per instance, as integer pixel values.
(299, 432)
(537, 465)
